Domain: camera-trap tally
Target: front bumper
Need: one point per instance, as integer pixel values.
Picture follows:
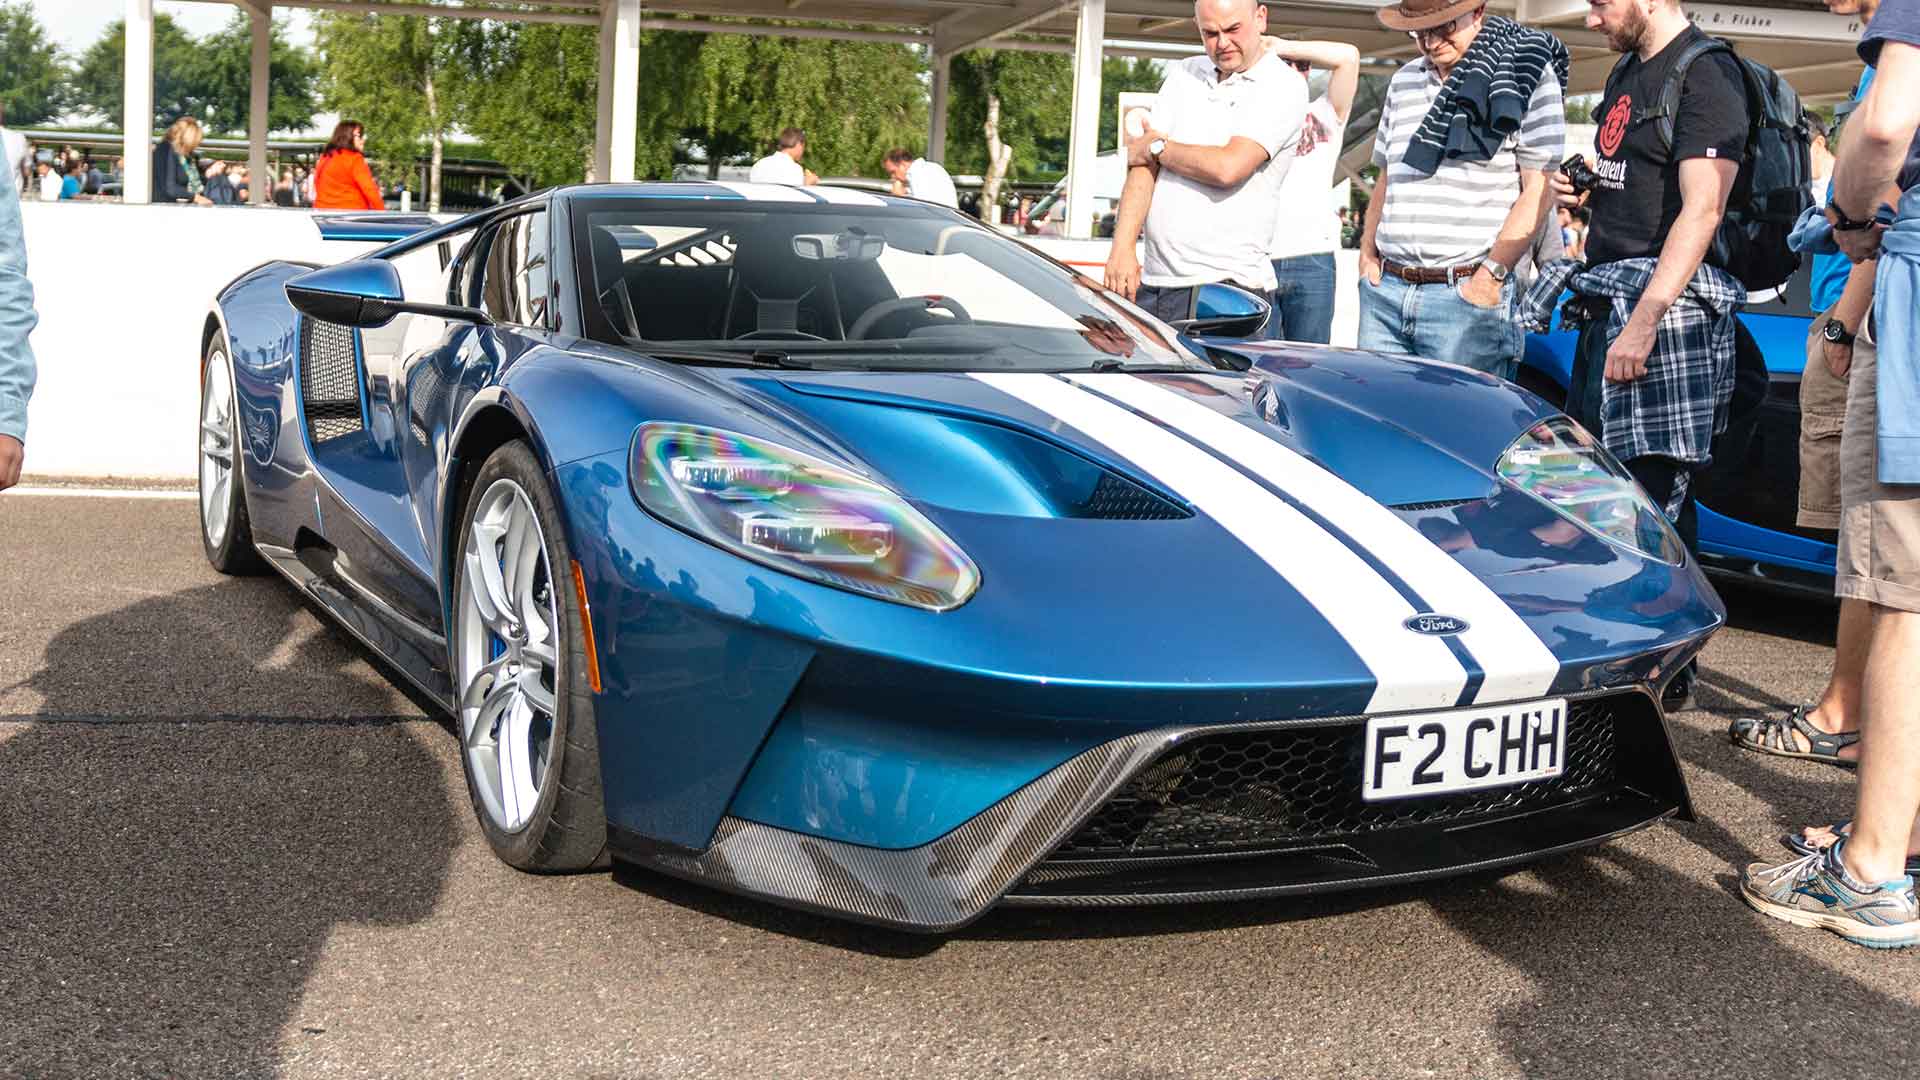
(1207, 813)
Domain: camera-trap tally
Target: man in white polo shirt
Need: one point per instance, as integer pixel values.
(921, 179)
(1203, 180)
(783, 165)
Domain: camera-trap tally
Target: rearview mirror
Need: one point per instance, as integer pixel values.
(848, 245)
(365, 293)
(1224, 311)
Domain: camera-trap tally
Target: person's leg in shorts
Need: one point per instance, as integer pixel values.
(1879, 563)
(1835, 716)
(1447, 326)
(1303, 301)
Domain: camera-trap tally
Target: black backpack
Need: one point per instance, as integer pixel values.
(1775, 181)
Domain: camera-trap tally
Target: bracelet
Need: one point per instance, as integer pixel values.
(1845, 223)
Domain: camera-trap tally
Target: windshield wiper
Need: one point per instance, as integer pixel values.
(767, 358)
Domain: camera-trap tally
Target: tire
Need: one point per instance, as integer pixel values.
(226, 532)
(524, 711)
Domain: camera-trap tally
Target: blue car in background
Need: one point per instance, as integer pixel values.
(1749, 497)
(834, 549)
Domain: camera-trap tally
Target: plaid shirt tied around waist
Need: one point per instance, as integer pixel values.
(1683, 400)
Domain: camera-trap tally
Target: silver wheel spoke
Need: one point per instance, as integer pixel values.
(491, 593)
(482, 681)
(540, 652)
(491, 709)
(517, 794)
(536, 694)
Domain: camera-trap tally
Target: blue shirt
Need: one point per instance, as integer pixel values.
(69, 187)
(1897, 286)
(17, 317)
(1829, 278)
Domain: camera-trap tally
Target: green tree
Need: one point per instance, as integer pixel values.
(1006, 106)
(226, 78)
(854, 99)
(400, 77)
(99, 84)
(33, 72)
(536, 111)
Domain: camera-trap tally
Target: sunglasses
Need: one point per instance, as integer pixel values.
(1444, 30)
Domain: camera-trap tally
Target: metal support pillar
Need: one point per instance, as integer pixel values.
(259, 182)
(937, 109)
(137, 116)
(1084, 134)
(616, 125)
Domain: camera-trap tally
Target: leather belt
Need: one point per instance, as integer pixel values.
(1429, 275)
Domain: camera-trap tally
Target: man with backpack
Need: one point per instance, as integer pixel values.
(1684, 125)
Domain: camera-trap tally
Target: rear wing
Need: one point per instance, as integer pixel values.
(374, 228)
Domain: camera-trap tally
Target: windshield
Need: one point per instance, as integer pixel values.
(838, 284)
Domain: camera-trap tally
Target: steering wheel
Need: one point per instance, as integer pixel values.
(884, 308)
(778, 335)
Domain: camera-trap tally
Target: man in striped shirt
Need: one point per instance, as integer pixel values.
(1440, 240)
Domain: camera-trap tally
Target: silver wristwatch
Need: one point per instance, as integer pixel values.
(1496, 270)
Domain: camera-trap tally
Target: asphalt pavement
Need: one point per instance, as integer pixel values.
(231, 847)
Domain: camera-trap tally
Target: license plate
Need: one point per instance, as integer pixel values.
(1414, 754)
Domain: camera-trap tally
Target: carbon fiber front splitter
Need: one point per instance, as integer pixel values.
(1002, 854)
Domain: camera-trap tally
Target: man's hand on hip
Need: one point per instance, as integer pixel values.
(1370, 267)
(1123, 271)
(1480, 289)
(11, 452)
(1627, 356)
(1839, 357)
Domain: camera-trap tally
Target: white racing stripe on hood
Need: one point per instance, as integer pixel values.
(1517, 663)
(1411, 671)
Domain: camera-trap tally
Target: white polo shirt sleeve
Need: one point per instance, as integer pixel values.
(1280, 108)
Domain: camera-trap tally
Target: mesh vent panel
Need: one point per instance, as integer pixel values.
(329, 382)
(1247, 790)
(1116, 498)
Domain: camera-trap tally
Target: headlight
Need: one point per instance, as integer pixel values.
(1558, 463)
(798, 514)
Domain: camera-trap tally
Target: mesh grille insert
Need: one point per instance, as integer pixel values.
(1116, 498)
(329, 382)
(1253, 789)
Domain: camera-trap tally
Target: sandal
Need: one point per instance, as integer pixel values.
(1774, 735)
(1798, 843)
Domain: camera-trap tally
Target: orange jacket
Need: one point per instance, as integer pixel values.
(342, 181)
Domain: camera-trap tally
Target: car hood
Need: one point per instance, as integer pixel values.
(1402, 431)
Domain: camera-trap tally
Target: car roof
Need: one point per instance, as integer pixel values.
(740, 191)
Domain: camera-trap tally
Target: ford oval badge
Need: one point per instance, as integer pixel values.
(1436, 625)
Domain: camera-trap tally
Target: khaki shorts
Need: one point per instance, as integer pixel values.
(1879, 523)
(1823, 413)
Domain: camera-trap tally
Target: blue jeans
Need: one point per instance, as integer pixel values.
(1303, 303)
(1436, 322)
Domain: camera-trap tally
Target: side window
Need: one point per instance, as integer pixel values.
(513, 285)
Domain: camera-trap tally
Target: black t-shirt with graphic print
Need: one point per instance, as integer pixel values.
(1637, 197)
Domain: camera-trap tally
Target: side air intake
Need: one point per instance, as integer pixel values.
(329, 381)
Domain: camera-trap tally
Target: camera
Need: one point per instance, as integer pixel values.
(1579, 174)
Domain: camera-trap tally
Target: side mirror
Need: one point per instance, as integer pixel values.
(365, 293)
(1224, 311)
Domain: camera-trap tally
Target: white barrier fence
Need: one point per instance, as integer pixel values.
(123, 292)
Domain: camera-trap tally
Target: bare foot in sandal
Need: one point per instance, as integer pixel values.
(1798, 732)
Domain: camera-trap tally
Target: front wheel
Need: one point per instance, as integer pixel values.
(226, 535)
(525, 711)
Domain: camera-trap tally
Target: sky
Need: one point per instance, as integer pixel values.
(76, 24)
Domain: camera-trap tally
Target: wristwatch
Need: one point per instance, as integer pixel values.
(1156, 147)
(1843, 223)
(1835, 332)
(1498, 271)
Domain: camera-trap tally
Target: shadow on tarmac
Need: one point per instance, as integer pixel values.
(169, 883)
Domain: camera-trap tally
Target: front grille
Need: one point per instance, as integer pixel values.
(329, 380)
(1248, 790)
(1438, 504)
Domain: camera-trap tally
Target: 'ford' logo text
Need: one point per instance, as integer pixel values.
(1436, 624)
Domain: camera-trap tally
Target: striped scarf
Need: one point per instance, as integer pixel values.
(1486, 95)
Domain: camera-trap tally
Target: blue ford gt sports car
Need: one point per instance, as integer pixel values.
(1750, 496)
(833, 549)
